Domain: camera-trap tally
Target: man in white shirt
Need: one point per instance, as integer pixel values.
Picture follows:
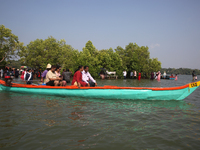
(124, 74)
(86, 77)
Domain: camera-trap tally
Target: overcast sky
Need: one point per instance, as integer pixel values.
(170, 28)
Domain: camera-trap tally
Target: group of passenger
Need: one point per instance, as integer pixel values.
(81, 78)
(52, 77)
(133, 75)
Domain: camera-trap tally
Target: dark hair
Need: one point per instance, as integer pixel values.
(79, 67)
(48, 69)
(57, 67)
(53, 66)
(67, 69)
(86, 67)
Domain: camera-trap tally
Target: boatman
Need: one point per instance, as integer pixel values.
(86, 77)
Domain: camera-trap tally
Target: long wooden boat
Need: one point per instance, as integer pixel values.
(108, 92)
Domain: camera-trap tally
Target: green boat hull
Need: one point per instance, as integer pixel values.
(132, 94)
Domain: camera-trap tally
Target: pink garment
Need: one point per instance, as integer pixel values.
(64, 83)
(158, 77)
(23, 74)
(176, 78)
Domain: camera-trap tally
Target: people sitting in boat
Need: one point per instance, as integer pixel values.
(77, 79)
(62, 82)
(66, 75)
(29, 77)
(51, 78)
(43, 77)
(87, 78)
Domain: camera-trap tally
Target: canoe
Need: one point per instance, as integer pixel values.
(107, 92)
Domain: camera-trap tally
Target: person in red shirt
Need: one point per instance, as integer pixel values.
(139, 76)
(77, 79)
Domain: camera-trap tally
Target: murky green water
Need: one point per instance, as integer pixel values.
(50, 122)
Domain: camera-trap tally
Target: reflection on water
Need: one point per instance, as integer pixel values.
(51, 122)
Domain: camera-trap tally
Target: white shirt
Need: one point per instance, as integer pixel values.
(86, 77)
(124, 73)
(1, 72)
(25, 75)
(30, 75)
(131, 74)
(135, 73)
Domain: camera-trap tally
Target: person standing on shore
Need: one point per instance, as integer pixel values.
(1, 73)
(139, 76)
(131, 74)
(23, 74)
(158, 77)
(176, 77)
(29, 77)
(124, 74)
(193, 75)
(135, 74)
(152, 76)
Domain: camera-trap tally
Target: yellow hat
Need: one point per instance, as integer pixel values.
(49, 66)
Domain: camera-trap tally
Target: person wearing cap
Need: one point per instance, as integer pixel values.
(29, 77)
(45, 73)
(51, 78)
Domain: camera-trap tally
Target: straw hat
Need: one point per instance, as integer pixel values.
(49, 66)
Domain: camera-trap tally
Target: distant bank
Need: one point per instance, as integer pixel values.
(185, 71)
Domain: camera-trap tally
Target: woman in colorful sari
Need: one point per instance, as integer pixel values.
(77, 79)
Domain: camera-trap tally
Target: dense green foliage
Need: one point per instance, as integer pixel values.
(185, 71)
(8, 44)
(40, 52)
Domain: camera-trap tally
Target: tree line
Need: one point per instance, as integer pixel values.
(38, 53)
(185, 71)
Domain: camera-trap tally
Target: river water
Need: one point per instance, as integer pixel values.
(50, 122)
